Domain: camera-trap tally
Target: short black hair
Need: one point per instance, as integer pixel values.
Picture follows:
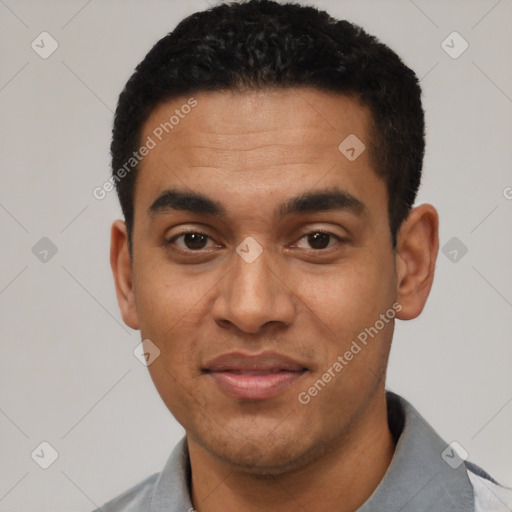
(266, 45)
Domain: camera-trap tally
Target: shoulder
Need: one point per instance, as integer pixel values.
(134, 499)
(166, 490)
(489, 495)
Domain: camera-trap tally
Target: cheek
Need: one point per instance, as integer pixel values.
(166, 294)
(349, 298)
(170, 308)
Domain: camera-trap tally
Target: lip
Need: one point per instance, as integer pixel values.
(254, 376)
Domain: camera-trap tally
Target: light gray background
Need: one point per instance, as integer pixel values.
(67, 369)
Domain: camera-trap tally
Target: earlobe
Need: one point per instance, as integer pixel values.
(416, 254)
(121, 264)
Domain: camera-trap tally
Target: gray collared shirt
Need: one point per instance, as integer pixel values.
(425, 475)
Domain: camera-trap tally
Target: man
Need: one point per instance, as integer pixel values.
(267, 159)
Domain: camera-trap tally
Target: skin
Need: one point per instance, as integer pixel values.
(251, 152)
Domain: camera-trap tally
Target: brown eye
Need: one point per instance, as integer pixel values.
(192, 241)
(319, 240)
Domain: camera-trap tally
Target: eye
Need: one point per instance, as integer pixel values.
(193, 241)
(319, 240)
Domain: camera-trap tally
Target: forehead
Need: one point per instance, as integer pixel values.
(255, 141)
(233, 120)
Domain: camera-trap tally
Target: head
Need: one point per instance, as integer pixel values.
(261, 45)
(289, 146)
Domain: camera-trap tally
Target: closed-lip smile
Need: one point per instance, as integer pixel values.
(254, 376)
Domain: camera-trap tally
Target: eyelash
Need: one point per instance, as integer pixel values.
(195, 232)
(191, 232)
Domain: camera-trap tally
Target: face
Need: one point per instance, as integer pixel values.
(256, 289)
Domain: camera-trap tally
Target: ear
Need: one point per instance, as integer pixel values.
(416, 254)
(121, 263)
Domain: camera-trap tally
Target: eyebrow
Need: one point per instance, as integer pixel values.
(322, 201)
(333, 199)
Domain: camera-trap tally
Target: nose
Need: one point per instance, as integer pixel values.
(254, 295)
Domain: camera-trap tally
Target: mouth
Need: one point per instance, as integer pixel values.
(254, 377)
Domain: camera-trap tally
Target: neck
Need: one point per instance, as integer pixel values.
(341, 480)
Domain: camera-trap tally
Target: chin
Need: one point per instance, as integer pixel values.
(264, 455)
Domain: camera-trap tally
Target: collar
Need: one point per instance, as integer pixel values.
(417, 480)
